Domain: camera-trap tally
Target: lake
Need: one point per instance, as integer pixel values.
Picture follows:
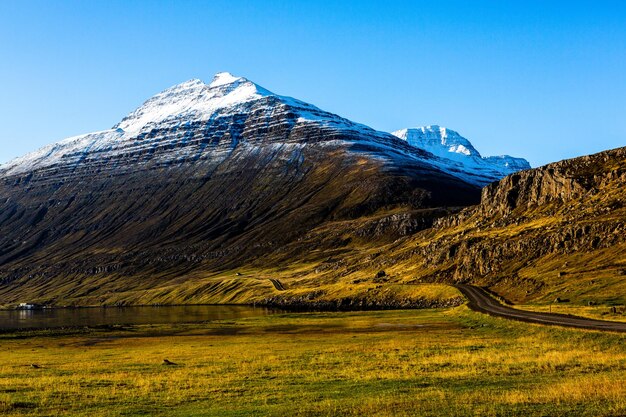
(97, 316)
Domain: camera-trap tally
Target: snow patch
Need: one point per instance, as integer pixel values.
(223, 78)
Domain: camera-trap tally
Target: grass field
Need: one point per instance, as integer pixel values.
(424, 362)
(614, 313)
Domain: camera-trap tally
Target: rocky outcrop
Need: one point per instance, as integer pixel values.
(474, 258)
(402, 224)
(559, 183)
(566, 210)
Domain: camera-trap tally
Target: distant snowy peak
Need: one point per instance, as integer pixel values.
(448, 144)
(438, 140)
(193, 99)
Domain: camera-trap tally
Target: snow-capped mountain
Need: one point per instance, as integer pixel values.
(440, 141)
(448, 144)
(205, 177)
(191, 120)
(177, 110)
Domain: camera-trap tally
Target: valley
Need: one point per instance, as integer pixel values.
(388, 209)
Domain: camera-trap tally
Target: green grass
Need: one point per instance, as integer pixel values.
(427, 362)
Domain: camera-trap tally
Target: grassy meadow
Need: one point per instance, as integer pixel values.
(449, 362)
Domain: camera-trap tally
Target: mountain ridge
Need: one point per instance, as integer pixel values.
(194, 101)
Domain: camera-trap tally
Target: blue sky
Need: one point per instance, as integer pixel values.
(545, 80)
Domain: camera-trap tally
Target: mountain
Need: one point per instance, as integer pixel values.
(226, 192)
(553, 235)
(555, 232)
(448, 144)
(205, 178)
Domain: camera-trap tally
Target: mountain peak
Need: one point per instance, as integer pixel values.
(448, 144)
(189, 83)
(192, 99)
(438, 140)
(223, 78)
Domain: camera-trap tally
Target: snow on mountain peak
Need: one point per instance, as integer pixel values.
(192, 99)
(223, 78)
(448, 144)
(438, 140)
(157, 121)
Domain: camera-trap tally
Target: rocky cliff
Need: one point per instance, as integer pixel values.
(558, 230)
(560, 182)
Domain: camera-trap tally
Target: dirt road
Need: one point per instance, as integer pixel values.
(277, 284)
(481, 301)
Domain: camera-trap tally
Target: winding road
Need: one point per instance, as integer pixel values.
(277, 284)
(481, 301)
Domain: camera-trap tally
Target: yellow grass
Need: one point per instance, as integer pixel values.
(446, 362)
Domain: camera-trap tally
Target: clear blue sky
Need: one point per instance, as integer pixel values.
(545, 80)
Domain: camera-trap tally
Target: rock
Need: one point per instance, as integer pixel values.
(497, 252)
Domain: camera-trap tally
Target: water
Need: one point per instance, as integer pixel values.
(79, 317)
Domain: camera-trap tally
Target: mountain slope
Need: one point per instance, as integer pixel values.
(201, 179)
(557, 232)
